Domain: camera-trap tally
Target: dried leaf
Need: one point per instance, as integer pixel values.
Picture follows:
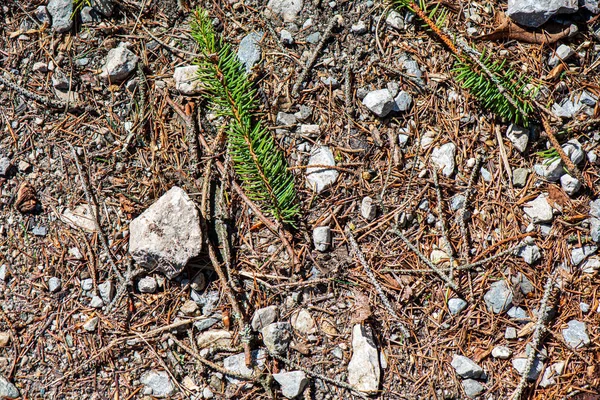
(26, 200)
(557, 196)
(362, 308)
(508, 30)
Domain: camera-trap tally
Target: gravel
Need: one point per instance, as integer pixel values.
(499, 298)
(158, 383)
(465, 367)
(575, 334)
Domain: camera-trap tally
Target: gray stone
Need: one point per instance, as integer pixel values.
(208, 301)
(313, 38)
(534, 13)
(499, 298)
(510, 333)
(303, 322)
(364, 371)
(263, 317)
(91, 324)
(205, 324)
(5, 166)
(104, 7)
(518, 136)
(379, 102)
(119, 64)
(186, 80)
(286, 119)
(330, 81)
(322, 238)
(592, 157)
(539, 210)
(465, 367)
(524, 284)
(457, 202)
(39, 231)
(443, 157)
(456, 305)
(595, 208)
(595, 229)
(147, 285)
(286, 37)
(584, 307)
(214, 338)
(87, 16)
(61, 11)
(570, 184)
(40, 66)
(304, 112)
(159, 382)
(550, 373)
(167, 235)
(249, 52)
(588, 99)
(319, 178)
(393, 88)
(576, 334)
(395, 20)
(574, 150)
(359, 28)
(563, 53)
(54, 284)
(472, 388)
(190, 307)
(42, 14)
(590, 266)
(536, 368)
(368, 210)
(518, 314)
(277, 337)
(237, 364)
(106, 291)
(402, 101)
(292, 383)
(60, 81)
(87, 284)
(411, 66)
(501, 352)
(287, 10)
(530, 253)
(96, 302)
(581, 253)
(402, 139)
(485, 174)
(7, 389)
(551, 171)
(207, 393)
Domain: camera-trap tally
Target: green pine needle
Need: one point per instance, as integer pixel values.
(256, 158)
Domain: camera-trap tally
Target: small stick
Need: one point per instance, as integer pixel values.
(440, 211)
(335, 20)
(462, 220)
(371, 275)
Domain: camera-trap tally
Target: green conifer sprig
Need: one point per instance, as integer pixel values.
(257, 160)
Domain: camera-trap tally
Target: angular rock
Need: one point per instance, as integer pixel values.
(501, 352)
(7, 389)
(120, 63)
(567, 108)
(106, 291)
(91, 324)
(286, 37)
(472, 388)
(518, 136)
(368, 210)
(80, 217)
(61, 11)
(322, 238)
(402, 101)
(287, 10)
(249, 52)
(529, 252)
(364, 371)
(524, 284)
(42, 14)
(186, 80)
(96, 302)
(465, 367)
(215, 338)
(159, 382)
(263, 317)
(595, 208)
(534, 372)
(518, 314)
(147, 285)
(575, 334)
(237, 364)
(190, 307)
(443, 157)
(499, 298)
(167, 235)
(292, 383)
(395, 20)
(54, 284)
(551, 171)
(319, 178)
(539, 210)
(570, 184)
(595, 229)
(534, 13)
(40, 66)
(286, 119)
(303, 322)
(563, 53)
(4, 338)
(379, 102)
(277, 337)
(205, 324)
(6, 166)
(360, 28)
(87, 15)
(456, 305)
(104, 7)
(510, 333)
(574, 150)
(550, 373)
(581, 253)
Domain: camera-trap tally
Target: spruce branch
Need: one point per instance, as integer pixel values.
(256, 159)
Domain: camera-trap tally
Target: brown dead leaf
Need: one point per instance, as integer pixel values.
(557, 196)
(555, 73)
(508, 30)
(328, 327)
(362, 308)
(127, 205)
(26, 200)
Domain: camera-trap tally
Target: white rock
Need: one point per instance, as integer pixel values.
(530, 252)
(96, 302)
(510, 333)
(303, 322)
(218, 337)
(310, 129)
(292, 383)
(120, 62)
(581, 253)
(368, 210)
(465, 367)
(54, 284)
(534, 13)
(40, 66)
(190, 307)
(550, 373)
(575, 334)
(61, 12)
(443, 157)
(159, 382)
(499, 298)
(563, 53)
(570, 184)
(539, 210)
(501, 352)
(79, 217)
(534, 372)
(286, 37)
(364, 370)
(402, 101)
(91, 324)
(574, 150)
(519, 137)
(322, 238)
(359, 28)
(379, 102)
(167, 235)
(106, 291)
(551, 171)
(319, 178)
(7, 389)
(456, 305)
(287, 10)
(237, 364)
(472, 388)
(263, 317)
(147, 285)
(395, 20)
(186, 80)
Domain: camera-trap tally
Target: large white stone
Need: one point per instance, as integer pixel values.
(167, 235)
(287, 10)
(443, 157)
(535, 13)
(364, 371)
(120, 62)
(186, 80)
(319, 178)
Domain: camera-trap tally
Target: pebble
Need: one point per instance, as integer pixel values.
(518, 314)
(119, 64)
(592, 157)
(249, 52)
(286, 37)
(581, 253)
(530, 253)
(104, 7)
(190, 307)
(4, 338)
(501, 352)
(277, 337)
(395, 20)
(574, 150)
(167, 234)
(499, 298)
(465, 367)
(364, 371)
(518, 136)
(584, 307)
(4, 274)
(237, 364)
(510, 333)
(158, 382)
(570, 184)
(534, 13)
(379, 102)
(563, 53)
(286, 119)
(520, 177)
(457, 202)
(303, 113)
(186, 80)
(207, 393)
(39, 231)
(539, 210)
(360, 28)
(40, 66)
(91, 324)
(292, 383)
(402, 101)
(7, 389)
(87, 16)
(303, 322)
(5, 166)
(310, 130)
(313, 38)
(368, 210)
(263, 317)
(550, 373)
(96, 302)
(590, 266)
(575, 334)
(106, 291)
(287, 10)
(318, 178)
(147, 285)
(551, 171)
(402, 139)
(330, 81)
(208, 300)
(217, 337)
(456, 305)
(61, 12)
(443, 157)
(24, 166)
(534, 372)
(472, 388)
(322, 238)
(205, 324)
(42, 14)
(524, 284)
(54, 284)
(87, 284)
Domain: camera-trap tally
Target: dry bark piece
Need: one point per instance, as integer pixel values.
(26, 200)
(508, 30)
